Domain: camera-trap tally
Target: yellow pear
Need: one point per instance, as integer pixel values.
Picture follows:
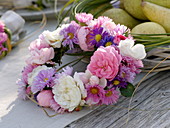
(119, 16)
(134, 8)
(148, 28)
(157, 14)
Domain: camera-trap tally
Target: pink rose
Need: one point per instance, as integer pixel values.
(105, 62)
(44, 98)
(38, 44)
(40, 56)
(83, 39)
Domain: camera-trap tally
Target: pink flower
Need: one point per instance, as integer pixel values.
(105, 62)
(97, 23)
(95, 94)
(83, 40)
(27, 69)
(40, 56)
(2, 26)
(83, 17)
(118, 38)
(3, 37)
(56, 107)
(28, 90)
(38, 44)
(109, 26)
(44, 98)
(111, 96)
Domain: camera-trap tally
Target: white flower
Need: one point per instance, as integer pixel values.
(90, 79)
(34, 73)
(127, 48)
(66, 93)
(80, 84)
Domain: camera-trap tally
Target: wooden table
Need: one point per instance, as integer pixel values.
(150, 108)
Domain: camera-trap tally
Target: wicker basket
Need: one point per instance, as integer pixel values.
(156, 57)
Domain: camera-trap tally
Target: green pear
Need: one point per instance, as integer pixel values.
(148, 28)
(134, 8)
(119, 16)
(158, 14)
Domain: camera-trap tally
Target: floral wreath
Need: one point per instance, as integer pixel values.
(5, 39)
(115, 60)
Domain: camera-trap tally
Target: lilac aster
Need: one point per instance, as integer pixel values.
(70, 34)
(3, 37)
(45, 78)
(96, 36)
(27, 69)
(21, 89)
(56, 107)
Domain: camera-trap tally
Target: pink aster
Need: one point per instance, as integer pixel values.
(38, 44)
(56, 107)
(40, 56)
(111, 96)
(105, 62)
(27, 69)
(83, 17)
(97, 23)
(95, 93)
(2, 26)
(2, 49)
(3, 37)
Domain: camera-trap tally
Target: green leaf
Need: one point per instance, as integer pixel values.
(128, 91)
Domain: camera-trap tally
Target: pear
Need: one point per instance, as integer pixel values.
(134, 8)
(148, 28)
(119, 16)
(158, 14)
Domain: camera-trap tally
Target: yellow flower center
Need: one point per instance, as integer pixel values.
(45, 79)
(94, 90)
(116, 82)
(71, 35)
(123, 75)
(108, 44)
(98, 37)
(109, 93)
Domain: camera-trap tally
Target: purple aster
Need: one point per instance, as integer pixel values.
(107, 41)
(117, 82)
(3, 37)
(45, 78)
(2, 49)
(96, 36)
(70, 34)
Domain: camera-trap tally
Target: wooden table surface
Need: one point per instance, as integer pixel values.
(150, 108)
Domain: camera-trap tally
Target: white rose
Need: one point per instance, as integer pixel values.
(34, 73)
(53, 38)
(127, 48)
(80, 84)
(66, 93)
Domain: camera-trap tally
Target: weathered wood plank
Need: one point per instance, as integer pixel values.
(152, 94)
